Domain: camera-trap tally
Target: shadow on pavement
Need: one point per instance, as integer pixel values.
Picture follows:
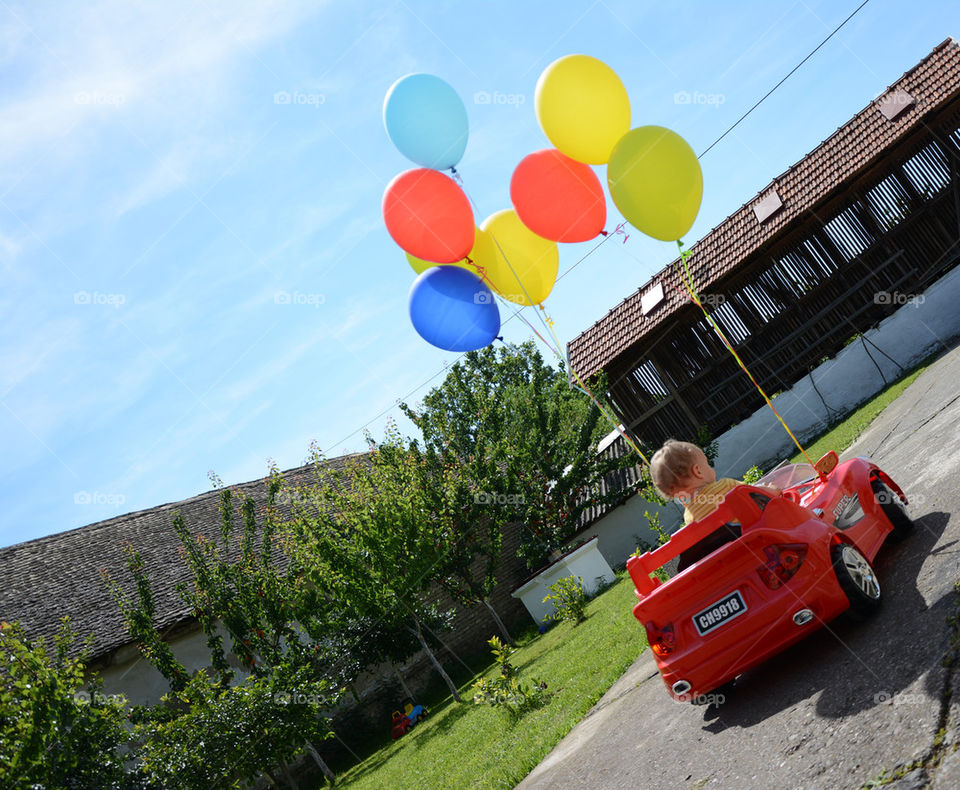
(856, 666)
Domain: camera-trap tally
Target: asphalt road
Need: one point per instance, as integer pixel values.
(843, 706)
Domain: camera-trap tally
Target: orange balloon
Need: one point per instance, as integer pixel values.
(557, 197)
(428, 215)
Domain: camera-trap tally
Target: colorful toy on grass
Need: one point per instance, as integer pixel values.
(404, 721)
(760, 573)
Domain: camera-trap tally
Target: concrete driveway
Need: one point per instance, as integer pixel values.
(848, 703)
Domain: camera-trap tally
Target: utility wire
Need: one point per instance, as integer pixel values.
(767, 94)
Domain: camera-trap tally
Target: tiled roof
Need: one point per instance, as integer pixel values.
(58, 575)
(932, 83)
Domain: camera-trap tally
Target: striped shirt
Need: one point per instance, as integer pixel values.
(707, 498)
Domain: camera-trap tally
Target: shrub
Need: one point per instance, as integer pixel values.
(569, 599)
(506, 690)
(753, 474)
(214, 735)
(56, 731)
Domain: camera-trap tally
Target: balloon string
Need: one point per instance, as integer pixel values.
(483, 276)
(526, 295)
(547, 321)
(617, 231)
(606, 411)
(695, 298)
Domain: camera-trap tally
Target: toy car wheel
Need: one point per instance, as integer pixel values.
(857, 579)
(893, 508)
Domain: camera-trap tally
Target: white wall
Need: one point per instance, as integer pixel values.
(133, 676)
(586, 562)
(623, 528)
(910, 334)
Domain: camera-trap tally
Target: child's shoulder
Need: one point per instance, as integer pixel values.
(724, 484)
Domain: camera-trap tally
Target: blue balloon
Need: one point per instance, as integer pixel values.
(453, 309)
(426, 120)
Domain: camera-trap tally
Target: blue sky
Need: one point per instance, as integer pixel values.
(157, 202)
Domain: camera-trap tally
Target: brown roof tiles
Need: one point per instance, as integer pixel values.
(50, 577)
(932, 83)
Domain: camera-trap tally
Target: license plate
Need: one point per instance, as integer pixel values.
(719, 613)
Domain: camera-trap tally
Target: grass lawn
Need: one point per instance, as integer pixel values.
(842, 435)
(467, 745)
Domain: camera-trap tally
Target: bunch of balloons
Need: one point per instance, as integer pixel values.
(653, 177)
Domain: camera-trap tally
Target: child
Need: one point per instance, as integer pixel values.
(680, 469)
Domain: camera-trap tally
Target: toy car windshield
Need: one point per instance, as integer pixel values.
(789, 475)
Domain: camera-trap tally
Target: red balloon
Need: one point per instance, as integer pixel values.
(429, 216)
(557, 197)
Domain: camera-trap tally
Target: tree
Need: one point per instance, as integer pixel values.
(463, 424)
(552, 439)
(56, 730)
(369, 537)
(214, 735)
(526, 440)
(278, 631)
(468, 569)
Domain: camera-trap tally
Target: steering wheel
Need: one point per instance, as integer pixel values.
(793, 496)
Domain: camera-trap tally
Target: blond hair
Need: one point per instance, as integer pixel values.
(672, 464)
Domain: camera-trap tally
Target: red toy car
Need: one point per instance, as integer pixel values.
(761, 571)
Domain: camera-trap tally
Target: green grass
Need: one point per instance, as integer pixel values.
(842, 435)
(476, 746)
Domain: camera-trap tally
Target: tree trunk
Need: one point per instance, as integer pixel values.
(403, 682)
(319, 761)
(353, 691)
(433, 660)
(496, 618)
(285, 770)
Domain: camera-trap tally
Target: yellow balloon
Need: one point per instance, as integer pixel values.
(517, 263)
(582, 107)
(419, 265)
(655, 180)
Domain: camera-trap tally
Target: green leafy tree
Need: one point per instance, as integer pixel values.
(214, 735)
(278, 629)
(526, 440)
(56, 729)
(373, 535)
(463, 424)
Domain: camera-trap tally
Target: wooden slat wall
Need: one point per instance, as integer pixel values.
(800, 300)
